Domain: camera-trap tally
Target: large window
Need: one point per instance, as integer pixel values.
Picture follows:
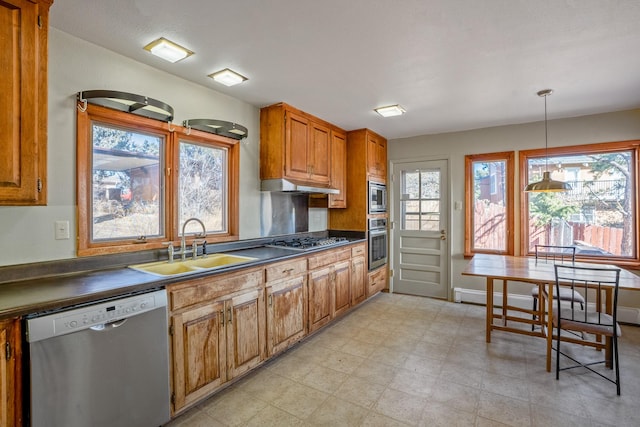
(489, 204)
(138, 182)
(598, 215)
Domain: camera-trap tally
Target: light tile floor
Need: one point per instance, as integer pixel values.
(401, 360)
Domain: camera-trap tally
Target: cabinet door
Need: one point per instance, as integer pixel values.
(358, 276)
(338, 169)
(320, 298)
(23, 102)
(199, 353)
(376, 157)
(342, 286)
(297, 155)
(377, 281)
(245, 332)
(320, 147)
(10, 393)
(285, 313)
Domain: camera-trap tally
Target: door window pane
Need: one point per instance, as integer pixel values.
(598, 214)
(126, 185)
(202, 187)
(420, 204)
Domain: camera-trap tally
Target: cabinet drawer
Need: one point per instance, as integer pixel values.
(328, 258)
(285, 269)
(357, 251)
(197, 291)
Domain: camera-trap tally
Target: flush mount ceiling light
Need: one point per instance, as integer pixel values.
(547, 184)
(228, 77)
(168, 50)
(390, 111)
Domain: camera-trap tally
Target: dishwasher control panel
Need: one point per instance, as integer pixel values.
(96, 316)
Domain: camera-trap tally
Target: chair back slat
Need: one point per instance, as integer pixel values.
(554, 253)
(591, 283)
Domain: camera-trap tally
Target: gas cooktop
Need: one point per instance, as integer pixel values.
(307, 243)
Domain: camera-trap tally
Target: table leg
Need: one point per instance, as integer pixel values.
(489, 308)
(549, 322)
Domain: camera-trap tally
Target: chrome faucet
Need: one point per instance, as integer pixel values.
(183, 244)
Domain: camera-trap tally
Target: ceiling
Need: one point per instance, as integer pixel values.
(452, 64)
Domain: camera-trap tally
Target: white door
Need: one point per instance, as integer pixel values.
(420, 228)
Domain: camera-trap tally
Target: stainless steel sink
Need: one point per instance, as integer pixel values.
(178, 268)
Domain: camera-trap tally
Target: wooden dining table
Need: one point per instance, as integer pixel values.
(527, 269)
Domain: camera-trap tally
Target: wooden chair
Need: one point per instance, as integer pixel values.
(585, 323)
(554, 254)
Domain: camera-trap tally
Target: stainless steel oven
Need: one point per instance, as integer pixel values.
(377, 198)
(377, 242)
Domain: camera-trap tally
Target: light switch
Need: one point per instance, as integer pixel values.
(457, 205)
(62, 230)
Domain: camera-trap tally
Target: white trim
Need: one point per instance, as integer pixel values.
(625, 314)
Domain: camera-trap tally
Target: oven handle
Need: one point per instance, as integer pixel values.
(112, 325)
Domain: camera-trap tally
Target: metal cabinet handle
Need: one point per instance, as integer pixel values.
(230, 315)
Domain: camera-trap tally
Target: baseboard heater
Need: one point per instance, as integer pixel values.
(625, 314)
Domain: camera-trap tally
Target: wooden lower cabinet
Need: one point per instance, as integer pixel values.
(245, 332)
(377, 281)
(320, 297)
(218, 338)
(10, 385)
(199, 353)
(223, 326)
(286, 313)
(329, 286)
(342, 287)
(358, 280)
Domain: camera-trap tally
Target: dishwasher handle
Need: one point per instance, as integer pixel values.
(108, 325)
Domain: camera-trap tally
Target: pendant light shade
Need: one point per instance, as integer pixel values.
(546, 185)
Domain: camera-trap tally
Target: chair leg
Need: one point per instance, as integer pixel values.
(557, 352)
(535, 304)
(617, 365)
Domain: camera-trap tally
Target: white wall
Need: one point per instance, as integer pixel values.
(618, 126)
(27, 233)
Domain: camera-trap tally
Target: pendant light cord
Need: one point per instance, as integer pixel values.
(546, 137)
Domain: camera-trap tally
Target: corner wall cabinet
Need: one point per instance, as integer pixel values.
(24, 26)
(297, 146)
(10, 385)
(361, 144)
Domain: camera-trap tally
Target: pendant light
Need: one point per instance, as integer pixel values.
(546, 184)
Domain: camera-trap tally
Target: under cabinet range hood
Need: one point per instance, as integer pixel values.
(292, 186)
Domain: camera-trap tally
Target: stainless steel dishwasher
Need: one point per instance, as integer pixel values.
(105, 364)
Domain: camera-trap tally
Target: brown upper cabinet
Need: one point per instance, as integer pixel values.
(376, 156)
(295, 145)
(23, 101)
(338, 169)
(367, 161)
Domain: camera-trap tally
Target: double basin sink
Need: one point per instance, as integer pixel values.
(191, 266)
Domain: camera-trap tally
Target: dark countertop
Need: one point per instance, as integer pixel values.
(41, 294)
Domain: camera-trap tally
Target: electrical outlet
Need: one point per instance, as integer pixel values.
(62, 230)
